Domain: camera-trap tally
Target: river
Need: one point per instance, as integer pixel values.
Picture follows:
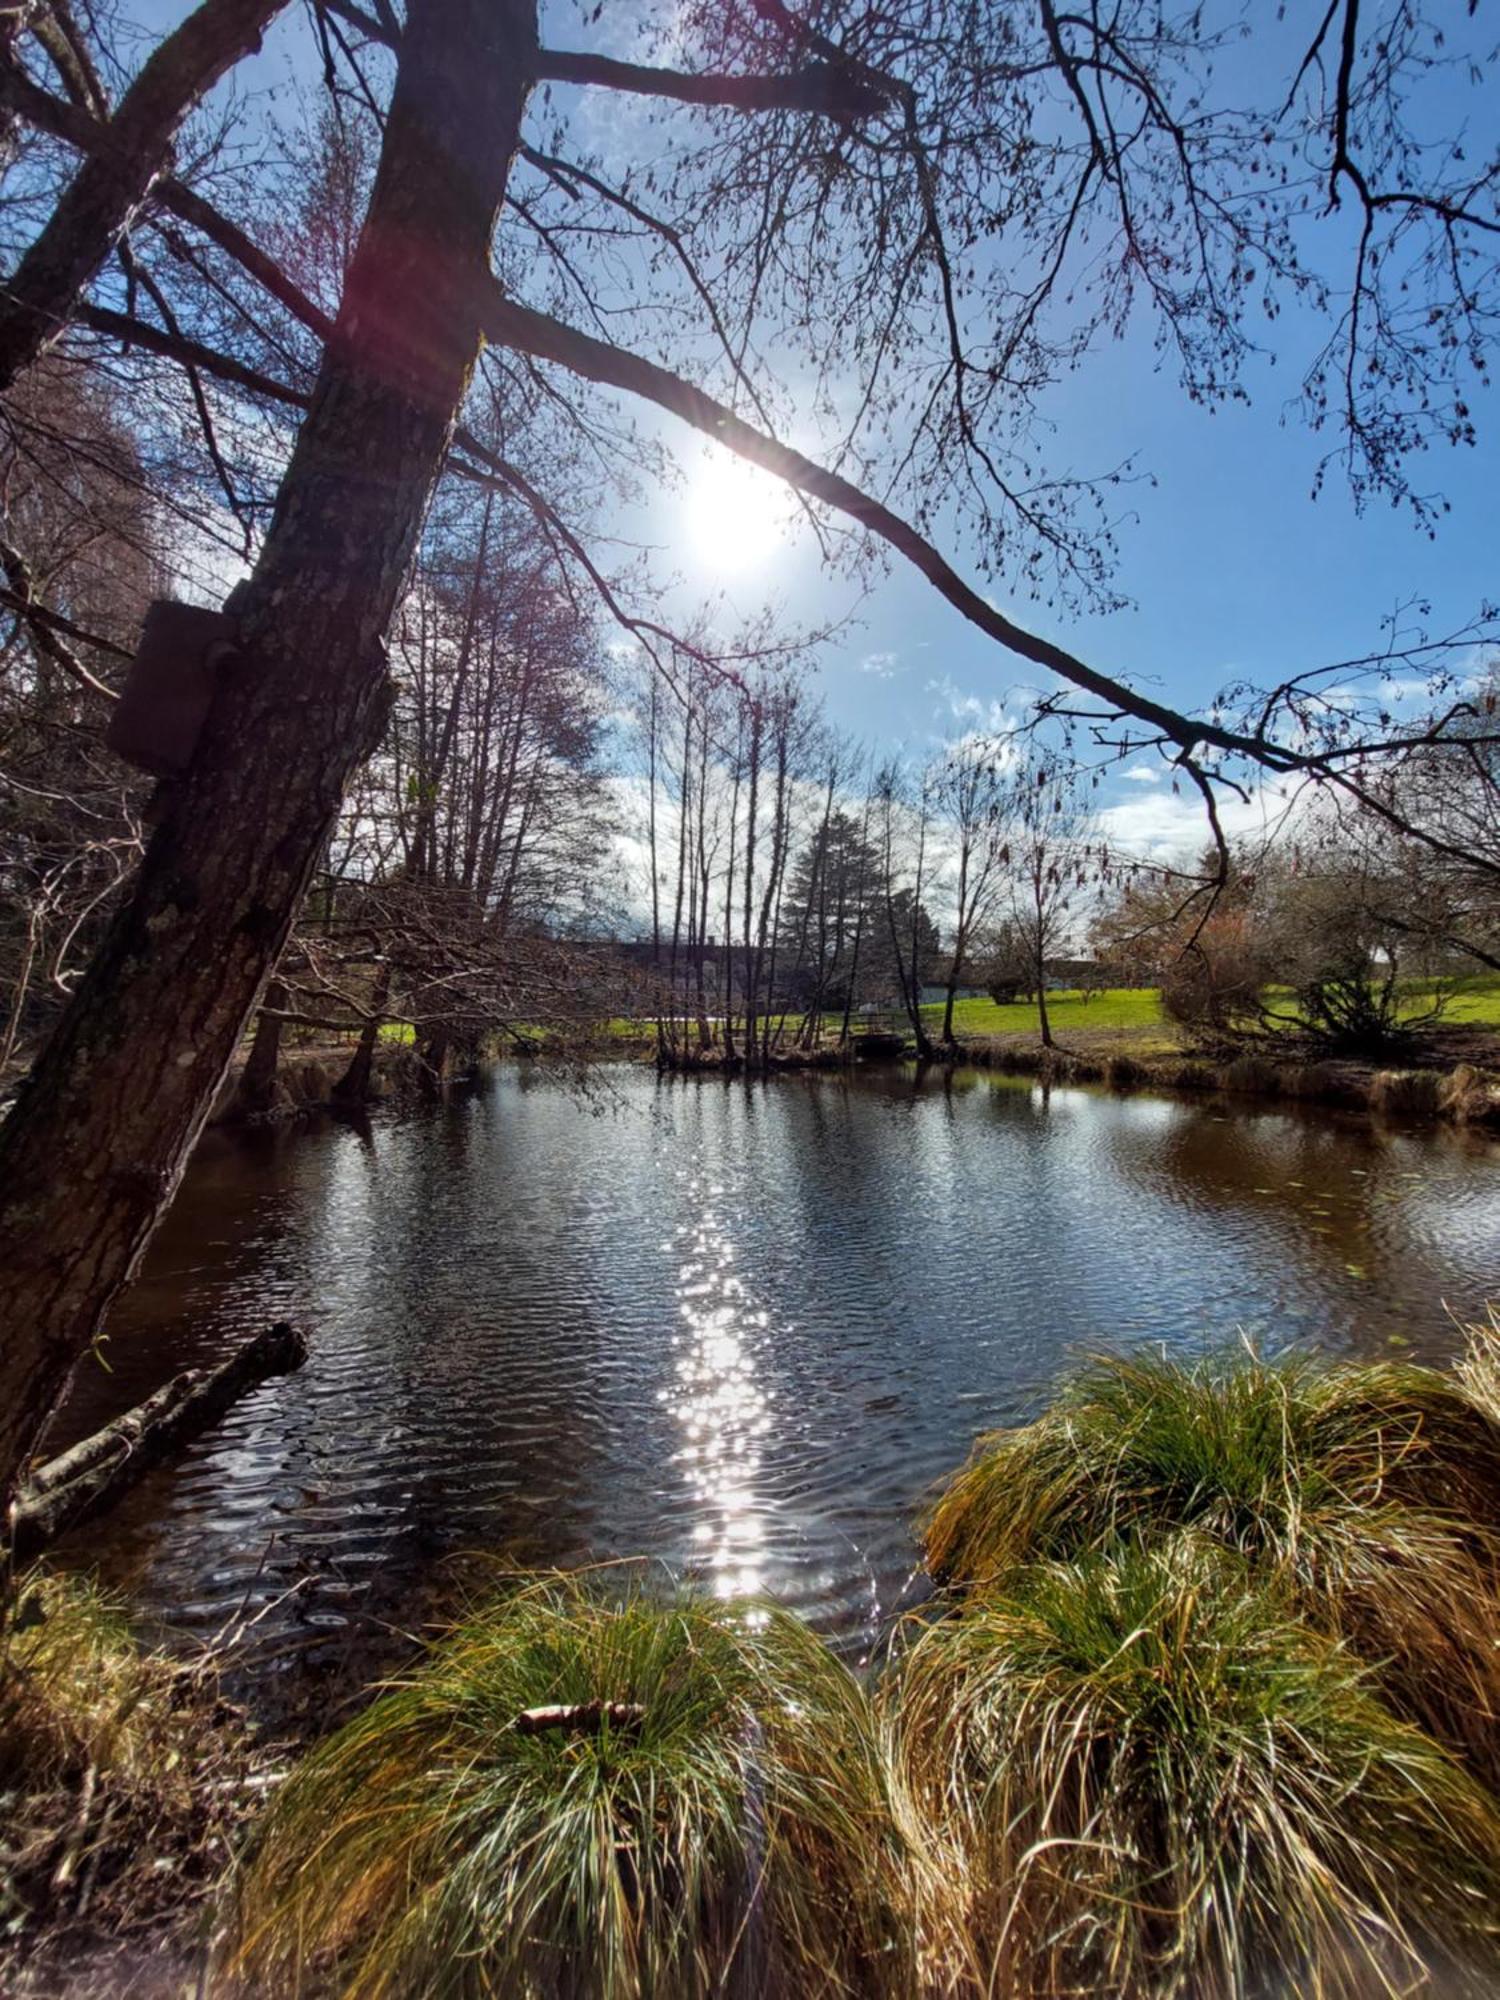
(737, 1328)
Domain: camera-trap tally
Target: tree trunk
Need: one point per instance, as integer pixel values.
(353, 1087)
(91, 1476)
(97, 206)
(257, 1091)
(93, 1151)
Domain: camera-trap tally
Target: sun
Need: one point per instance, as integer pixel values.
(735, 516)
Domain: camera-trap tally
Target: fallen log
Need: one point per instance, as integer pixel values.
(586, 1717)
(94, 1473)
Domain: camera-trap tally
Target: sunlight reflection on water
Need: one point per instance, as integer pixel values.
(718, 1398)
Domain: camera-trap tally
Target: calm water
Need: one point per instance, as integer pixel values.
(738, 1328)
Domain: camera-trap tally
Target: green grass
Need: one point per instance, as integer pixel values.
(1470, 1003)
(1475, 1003)
(1131, 1015)
(739, 1829)
(1069, 1012)
(1145, 1777)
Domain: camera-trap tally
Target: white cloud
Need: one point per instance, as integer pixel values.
(1172, 826)
(881, 665)
(979, 715)
(1142, 774)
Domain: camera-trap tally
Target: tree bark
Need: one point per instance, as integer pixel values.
(1043, 1020)
(94, 1149)
(96, 207)
(92, 1475)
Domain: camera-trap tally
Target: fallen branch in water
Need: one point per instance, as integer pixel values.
(93, 1474)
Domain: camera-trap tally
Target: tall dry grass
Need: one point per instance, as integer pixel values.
(120, 1774)
(1368, 1493)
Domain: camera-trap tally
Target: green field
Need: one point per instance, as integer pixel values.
(1130, 1014)
(1476, 1004)
(1116, 1007)
(1472, 1003)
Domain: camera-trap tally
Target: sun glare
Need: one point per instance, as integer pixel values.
(735, 515)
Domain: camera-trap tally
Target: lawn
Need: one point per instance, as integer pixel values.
(1115, 1007)
(1121, 1013)
(1476, 1004)
(1472, 1003)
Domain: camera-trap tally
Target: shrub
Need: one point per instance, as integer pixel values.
(1193, 1076)
(1213, 985)
(1153, 1781)
(1372, 1492)
(1469, 1096)
(731, 1829)
(1250, 1076)
(1316, 1081)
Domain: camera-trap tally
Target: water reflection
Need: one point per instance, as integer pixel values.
(717, 1398)
(739, 1328)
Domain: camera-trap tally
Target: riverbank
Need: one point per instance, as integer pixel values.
(1121, 1038)
(1453, 1076)
(306, 1080)
(1205, 1702)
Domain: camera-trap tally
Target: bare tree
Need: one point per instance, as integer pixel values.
(967, 787)
(1049, 857)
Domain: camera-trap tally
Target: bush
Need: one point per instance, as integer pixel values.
(1153, 1781)
(1470, 1096)
(1249, 1076)
(1213, 986)
(1406, 1093)
(731, 1831)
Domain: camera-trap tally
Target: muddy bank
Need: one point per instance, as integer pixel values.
(1453, 1076)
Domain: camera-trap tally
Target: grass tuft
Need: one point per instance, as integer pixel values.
(1147, 1778)
(737, 1835)
(1371, 1492)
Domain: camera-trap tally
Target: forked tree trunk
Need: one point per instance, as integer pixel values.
(94, 1148)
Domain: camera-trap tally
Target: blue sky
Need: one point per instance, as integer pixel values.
(1233, 569)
